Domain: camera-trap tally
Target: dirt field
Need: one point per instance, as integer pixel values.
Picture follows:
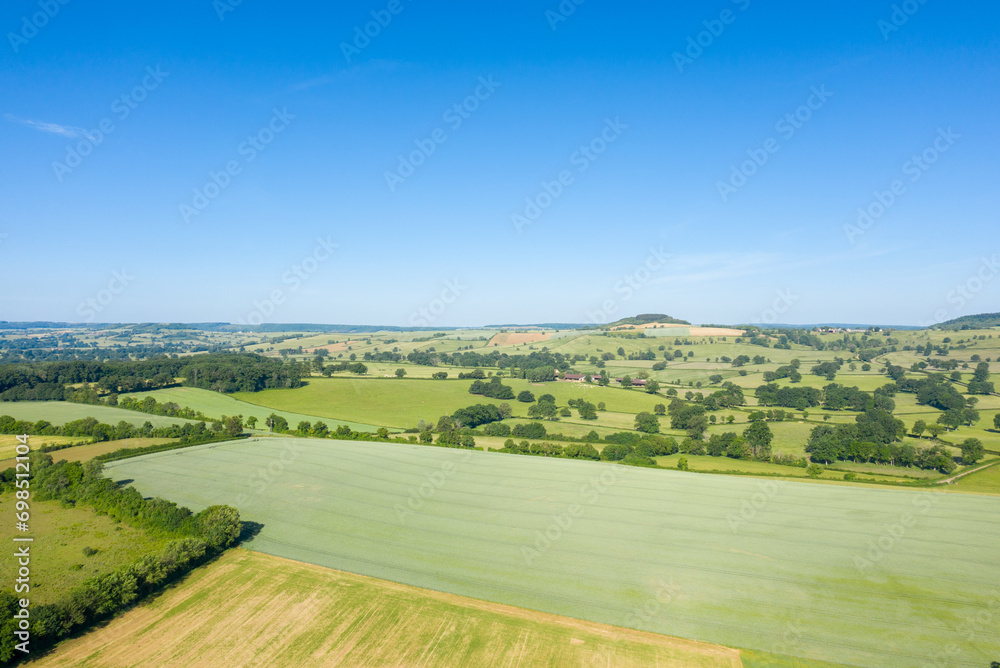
(252, 609)
(517, 338)
(334, 347)
(715, 331)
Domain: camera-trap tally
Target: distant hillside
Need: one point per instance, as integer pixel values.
(539, 325)
(980, 321)
(643, 318)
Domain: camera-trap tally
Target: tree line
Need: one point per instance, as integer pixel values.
(222, 372)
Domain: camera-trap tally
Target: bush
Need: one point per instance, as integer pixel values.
(496, 429)
(529, 430)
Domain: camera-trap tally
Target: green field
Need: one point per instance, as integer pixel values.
(57, 560)
(986, 481)
(708, 464)
(402, 402)
(724, 559)
(216, 404)
(61, 412)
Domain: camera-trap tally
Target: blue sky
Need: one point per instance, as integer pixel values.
(413, 176)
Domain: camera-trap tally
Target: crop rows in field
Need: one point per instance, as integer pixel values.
(861, 576)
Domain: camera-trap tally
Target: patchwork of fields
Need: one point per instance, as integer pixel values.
(822, 572)
(216, 404)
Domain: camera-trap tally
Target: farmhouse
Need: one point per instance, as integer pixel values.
(577, 377)
(636, 382)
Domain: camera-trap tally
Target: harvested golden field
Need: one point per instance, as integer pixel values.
(251, 609)
(517, 338)
(689, 330)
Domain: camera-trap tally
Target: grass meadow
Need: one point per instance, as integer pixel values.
(57, 560)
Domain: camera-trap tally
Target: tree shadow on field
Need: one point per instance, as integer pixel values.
(249, 532)
(125, 482)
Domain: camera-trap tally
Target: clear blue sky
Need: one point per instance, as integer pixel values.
(641, 223)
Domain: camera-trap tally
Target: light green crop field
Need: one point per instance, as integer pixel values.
(61, 412)
(216, 404)
(57, 560)
(866, 577)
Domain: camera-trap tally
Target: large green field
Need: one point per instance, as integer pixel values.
(866, 577)
(402, 402)
(216, 404)
(61, 412)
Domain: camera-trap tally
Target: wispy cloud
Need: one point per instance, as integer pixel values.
(708, 267)
(51, 128)
(375, 66)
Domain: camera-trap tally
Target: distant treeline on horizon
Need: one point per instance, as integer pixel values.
(978, 321)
